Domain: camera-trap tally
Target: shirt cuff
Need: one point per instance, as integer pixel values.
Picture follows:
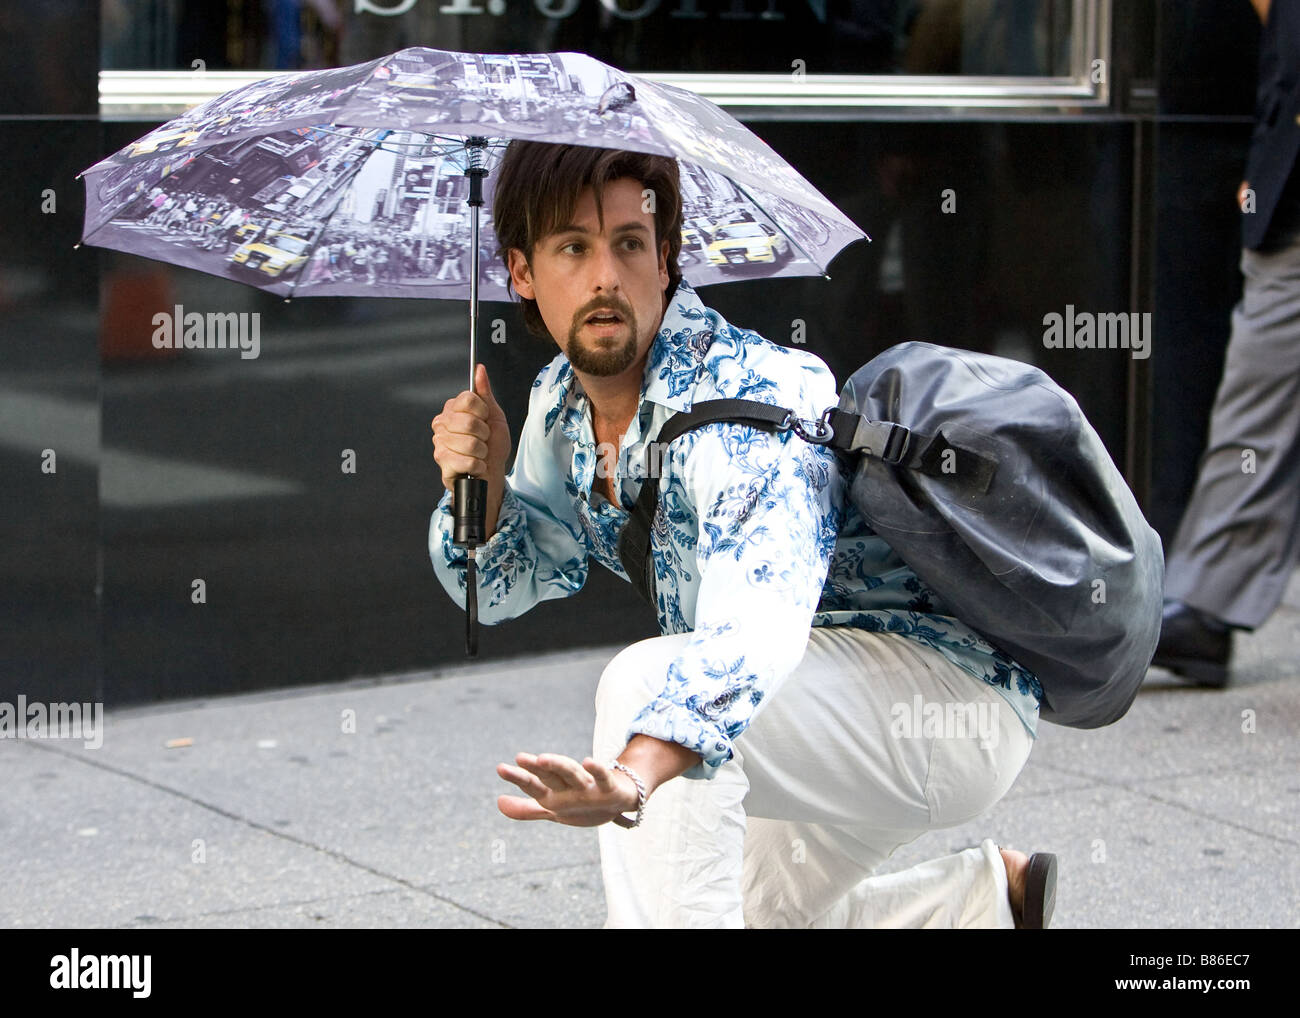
(674, 722)
(512, 525)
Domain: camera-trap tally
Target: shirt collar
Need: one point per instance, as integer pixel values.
(673, 364)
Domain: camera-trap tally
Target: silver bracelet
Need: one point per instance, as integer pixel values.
(640, 791)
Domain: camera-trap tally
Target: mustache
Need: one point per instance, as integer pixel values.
(622, 310)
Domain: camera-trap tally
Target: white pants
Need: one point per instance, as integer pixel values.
(824, 785)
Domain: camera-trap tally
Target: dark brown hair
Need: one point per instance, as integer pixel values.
(537, 188)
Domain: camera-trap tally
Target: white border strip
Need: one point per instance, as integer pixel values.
(133, 95)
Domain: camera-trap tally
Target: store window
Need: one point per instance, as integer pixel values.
(160, 56)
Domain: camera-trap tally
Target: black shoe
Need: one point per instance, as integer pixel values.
(1194, 645)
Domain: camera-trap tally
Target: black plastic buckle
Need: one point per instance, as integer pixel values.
(896, 445)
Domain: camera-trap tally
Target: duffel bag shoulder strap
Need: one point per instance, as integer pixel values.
(634, 540)
(848, 433)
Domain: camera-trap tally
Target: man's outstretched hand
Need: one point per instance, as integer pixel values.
(585, 794)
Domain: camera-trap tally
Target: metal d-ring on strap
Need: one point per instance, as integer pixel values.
(817, 431)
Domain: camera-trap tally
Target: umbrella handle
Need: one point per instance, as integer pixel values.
(469, 513)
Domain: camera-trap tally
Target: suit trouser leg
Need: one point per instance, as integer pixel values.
(825, 784)
(1239, 540)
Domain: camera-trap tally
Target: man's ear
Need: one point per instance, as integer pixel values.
(663, 265)
(521, 275)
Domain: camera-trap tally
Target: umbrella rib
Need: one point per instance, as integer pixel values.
(350, 131)
(445, 150)
(741, 187)
(379, 145)
(454, 143)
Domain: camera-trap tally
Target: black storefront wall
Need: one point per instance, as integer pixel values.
(50, 646)
(228, 471)
(1206, 79)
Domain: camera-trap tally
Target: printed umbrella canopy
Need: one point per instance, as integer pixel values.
(355, 181)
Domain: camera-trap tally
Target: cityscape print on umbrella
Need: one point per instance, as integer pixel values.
(352, 182)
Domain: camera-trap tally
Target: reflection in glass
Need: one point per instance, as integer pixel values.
(878, 37)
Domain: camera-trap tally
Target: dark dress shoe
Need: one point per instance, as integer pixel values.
(1194, 645)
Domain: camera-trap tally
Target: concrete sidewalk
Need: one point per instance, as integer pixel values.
(276, 815)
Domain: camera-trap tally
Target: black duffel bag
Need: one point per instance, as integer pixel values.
(986, 478)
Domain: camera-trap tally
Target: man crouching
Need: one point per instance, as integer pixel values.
(755, 742)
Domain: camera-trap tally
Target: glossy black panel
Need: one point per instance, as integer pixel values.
(1196, 280)
(1206, 57)
(1206, 75)
(49, 58)
(49, 416)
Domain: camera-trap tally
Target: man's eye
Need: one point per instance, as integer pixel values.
(634, 243)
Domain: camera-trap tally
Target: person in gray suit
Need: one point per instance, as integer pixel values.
(1239, 540)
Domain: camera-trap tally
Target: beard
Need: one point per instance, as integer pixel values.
(604, 355)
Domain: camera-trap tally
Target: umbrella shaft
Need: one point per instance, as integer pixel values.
(475, 172)
(473, 298)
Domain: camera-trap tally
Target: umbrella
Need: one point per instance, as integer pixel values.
(354, 181)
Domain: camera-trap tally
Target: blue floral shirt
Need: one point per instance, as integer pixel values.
(755, 542)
